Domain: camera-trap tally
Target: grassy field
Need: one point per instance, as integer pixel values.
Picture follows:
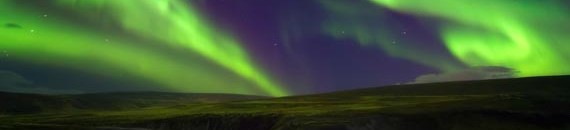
(508, 104)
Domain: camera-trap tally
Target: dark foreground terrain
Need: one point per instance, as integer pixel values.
(539, 103)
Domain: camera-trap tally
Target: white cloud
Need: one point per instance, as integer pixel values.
(474, 73)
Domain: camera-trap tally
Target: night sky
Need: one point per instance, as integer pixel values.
(274, 47)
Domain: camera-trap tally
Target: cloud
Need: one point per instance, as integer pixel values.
(13, 82)
(11, 79)
(474, 73)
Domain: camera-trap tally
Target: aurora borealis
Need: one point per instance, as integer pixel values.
(524, 35)
(274, 47)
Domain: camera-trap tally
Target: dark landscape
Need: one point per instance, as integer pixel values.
(536, 103)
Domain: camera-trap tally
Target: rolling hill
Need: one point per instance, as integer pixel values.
(21, 103)
(535, 103)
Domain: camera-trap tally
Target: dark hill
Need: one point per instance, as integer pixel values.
(535, 103)
(21, 103)
(530, 85)
(545, 86)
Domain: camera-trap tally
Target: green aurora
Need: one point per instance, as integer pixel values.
(40, 38)
(181, 46)
(526, 35)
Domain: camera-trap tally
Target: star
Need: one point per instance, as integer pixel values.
(45, 15)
